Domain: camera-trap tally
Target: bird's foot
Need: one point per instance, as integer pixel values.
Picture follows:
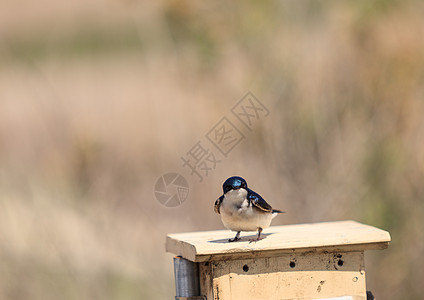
(234, 239)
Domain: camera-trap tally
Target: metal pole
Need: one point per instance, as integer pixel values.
(186, 278)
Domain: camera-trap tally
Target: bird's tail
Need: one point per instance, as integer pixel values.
(277, 211)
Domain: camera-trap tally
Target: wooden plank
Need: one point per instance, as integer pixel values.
(321, 237)
(206, 280)
(292, 276)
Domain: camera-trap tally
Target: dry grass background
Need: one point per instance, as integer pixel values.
(98, 99)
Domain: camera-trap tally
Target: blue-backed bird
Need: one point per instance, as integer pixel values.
(242, 209)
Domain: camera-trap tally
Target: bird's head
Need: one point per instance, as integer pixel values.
(234, 183)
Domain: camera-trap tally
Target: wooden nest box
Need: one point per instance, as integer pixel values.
(306, 261)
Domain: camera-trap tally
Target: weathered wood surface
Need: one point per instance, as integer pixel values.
(341, 236)
(291, 276)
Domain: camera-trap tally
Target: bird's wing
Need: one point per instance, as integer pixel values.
(258, 201)
(218, 204)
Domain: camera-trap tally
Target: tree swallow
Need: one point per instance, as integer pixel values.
(242, 209)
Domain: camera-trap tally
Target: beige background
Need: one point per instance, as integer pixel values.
(100, 98)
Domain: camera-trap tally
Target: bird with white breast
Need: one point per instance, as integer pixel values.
(242, 209)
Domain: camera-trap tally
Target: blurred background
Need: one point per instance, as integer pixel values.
(98, 99)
